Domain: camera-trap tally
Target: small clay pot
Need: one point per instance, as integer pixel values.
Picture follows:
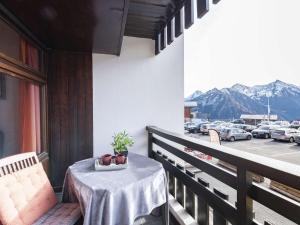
(106, 159)
(120, 159)
(125, 153)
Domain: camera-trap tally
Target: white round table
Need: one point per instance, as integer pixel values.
(116, 197)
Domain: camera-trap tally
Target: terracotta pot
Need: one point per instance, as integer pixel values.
(125, 153)
(106, 159)
(120, 159)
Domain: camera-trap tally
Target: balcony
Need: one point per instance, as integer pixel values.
(99, 67)
(200, 196)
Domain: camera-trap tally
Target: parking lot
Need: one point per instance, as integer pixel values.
(288, 152)
(284, 151)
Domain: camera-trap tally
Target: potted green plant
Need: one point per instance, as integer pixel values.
(121, 142)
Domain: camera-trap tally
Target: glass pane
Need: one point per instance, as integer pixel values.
(20, 116)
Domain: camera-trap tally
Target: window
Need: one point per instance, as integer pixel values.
(21, 124)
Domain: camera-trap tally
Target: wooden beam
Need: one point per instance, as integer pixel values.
(216, 1)
(202, 8)
(163, 39)
(170, 31)
(179, 23)
(124, 19)
(157, 44)
(188, 13)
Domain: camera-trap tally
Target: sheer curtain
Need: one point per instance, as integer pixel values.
(29, 93)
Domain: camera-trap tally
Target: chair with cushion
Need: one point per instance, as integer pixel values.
(26, 196)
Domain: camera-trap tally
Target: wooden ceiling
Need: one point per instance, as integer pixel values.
(90, 25)
(148, 17)
(99, 25)
(76, 25)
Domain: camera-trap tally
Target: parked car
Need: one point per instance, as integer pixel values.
(217, 122)
(264, 131)
(295, 124)
(233, 134)
(297, 139)
(285, 134)
(245, 127)
(249, 128)
(221, 126)
(282, 123)
(239, 121)
(205, 127)
(195, 127)
(264, 123)
(187, 124)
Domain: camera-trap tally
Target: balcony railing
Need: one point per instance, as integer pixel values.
(187, 187)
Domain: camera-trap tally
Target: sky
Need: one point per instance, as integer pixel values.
(243, 41)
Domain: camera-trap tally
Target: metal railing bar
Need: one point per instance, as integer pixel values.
(225, 208)
(285, 173)
(219, 173)
(276, 202)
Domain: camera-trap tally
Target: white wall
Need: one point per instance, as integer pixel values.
(135, 90)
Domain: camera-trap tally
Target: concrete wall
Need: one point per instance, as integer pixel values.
(135, 90)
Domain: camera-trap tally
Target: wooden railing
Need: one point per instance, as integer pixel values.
(247, 191)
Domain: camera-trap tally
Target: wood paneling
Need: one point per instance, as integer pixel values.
(76, 25)
(70, 111)
(146, 18)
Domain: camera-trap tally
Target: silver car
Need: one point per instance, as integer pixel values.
(282, 123)
(205, 127)
(297, 139)
(233, 134)
(285, 134)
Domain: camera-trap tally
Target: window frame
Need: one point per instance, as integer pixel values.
(17, 69)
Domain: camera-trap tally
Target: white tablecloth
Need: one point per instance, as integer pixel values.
(116, 197)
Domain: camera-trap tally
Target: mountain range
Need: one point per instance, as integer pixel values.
(229, 103)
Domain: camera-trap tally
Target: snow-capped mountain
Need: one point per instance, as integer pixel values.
(194, 95)
(229, 103)
(276, 88)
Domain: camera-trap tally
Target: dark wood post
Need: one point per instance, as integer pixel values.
(216, 1)
(217, 217)
(179, 23)
(203, 208)
(202, 7)
(190, 200)
(163, 38)
(188, 13)
(170, 31)
(244, 202)
(180, 188)
(150, 144)
(157, 44)
(171, 181)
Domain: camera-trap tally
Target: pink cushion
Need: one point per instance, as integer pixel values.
(25, 196)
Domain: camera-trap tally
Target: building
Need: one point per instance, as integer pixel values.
(188, 107)
(256, 119)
